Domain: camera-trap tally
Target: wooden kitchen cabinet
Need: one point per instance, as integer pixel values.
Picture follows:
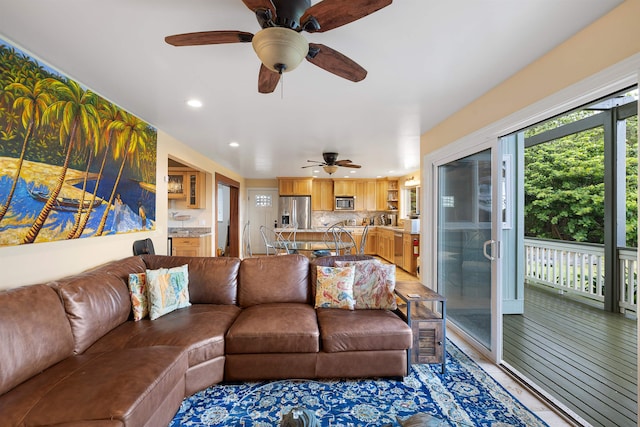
(387, 195)
(191, 246)
(322, 195)
(365, 199)
(295, 186)
(371, 245)
(409, 259)
(386, 244)
(392, 195)
(195, 190)
(344, 187)
(381, 194)
(176, 188)
(187, 184)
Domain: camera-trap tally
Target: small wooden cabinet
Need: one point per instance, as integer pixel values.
(176, 188)
(189, 185)
(344, 187)
(322, 195)
(427, 326)
(191, 246)
(295, 186)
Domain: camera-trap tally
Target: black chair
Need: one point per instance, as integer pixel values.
(143, 247)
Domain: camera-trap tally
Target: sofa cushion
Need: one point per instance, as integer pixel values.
(362, 330)
(274, 279)
(330, 261)
(138, 293)
(34, 333)
(199, 330)
(124, 388)
(274, 328)
(95, 303)
(168, 290)
(211, 280)
(373, 284)
(335, 287)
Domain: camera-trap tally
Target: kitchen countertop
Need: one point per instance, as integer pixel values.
(189, 232)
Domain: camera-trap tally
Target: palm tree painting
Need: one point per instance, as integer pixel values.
(72, 165)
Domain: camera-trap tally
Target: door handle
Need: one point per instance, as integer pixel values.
(484, 250)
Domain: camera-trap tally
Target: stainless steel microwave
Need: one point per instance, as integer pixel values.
(344, 204)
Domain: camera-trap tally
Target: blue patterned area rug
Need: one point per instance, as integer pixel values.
(464, 396)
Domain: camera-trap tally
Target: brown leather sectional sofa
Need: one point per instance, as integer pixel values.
(70, 355)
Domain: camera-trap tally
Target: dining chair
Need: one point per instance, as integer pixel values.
(274, 241)
(246, 241)
(363, 242)
(340, 236)
(143, 247)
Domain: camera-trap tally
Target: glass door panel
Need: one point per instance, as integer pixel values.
(464, 233)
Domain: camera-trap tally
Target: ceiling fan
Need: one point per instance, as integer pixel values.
(279, 44)
(331, 163)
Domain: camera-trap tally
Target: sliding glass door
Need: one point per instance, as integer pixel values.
(466, 248)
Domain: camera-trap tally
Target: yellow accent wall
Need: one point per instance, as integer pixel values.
(609, 40)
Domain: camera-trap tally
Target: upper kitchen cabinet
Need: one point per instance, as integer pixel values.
(322, 195)
(187, 184)
(387, 195)
(365, 199)
(295, 186)
(392, 195)
(176, 187)
(344, 187)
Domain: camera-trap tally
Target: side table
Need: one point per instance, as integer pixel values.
(427, 326)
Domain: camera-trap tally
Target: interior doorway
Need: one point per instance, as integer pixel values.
(228, 188)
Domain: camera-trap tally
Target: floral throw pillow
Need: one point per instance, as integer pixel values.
(373, 284)
(334, 287)
(168, 290)
(138, 292)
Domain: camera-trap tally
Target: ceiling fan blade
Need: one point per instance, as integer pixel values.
(267, 80)
(332, 14)
(350, 165)
(260, 4)
(335, 62)
(209, 37)
(343, 162)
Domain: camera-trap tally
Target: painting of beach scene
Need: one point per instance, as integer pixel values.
(72, 164)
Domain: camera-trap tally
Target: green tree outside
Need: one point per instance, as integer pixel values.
(564, 184)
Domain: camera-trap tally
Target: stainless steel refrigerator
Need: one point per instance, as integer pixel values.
(294, 211)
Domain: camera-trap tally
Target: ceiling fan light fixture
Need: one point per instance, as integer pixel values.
(330, 169)
(280, 49)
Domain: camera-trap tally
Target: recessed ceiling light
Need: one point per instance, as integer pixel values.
(234, 144)
(352, 171)
(195, 103)
(316, 171)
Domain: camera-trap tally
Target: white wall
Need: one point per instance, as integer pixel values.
(41, 262)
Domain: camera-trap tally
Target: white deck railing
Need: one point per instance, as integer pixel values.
(578, 268)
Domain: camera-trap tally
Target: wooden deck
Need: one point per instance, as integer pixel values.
(584, 357)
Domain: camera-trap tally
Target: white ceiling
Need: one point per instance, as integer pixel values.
(425, 60)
